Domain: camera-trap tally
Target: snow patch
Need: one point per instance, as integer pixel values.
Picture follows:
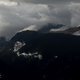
(35, 55)
(55, 57)
(31, 28)
(60, 29)
(18, 45)
(77, 33)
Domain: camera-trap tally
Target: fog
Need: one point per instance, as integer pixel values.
(16, 15)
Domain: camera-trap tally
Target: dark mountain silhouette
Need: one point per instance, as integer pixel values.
(49, 41)
(43, 28)
(60, 57)
(49, 26)
(70, 30)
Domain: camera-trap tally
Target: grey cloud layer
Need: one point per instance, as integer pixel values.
(14, 16)
(44, 1)
(48, 1)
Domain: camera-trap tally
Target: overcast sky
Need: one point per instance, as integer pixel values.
(18, 14)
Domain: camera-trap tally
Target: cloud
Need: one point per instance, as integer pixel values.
(15, 16)
(47, 1)
(75, 11)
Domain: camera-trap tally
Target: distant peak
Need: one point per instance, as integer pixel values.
(30, 28)
(42, 28)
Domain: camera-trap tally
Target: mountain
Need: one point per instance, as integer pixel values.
(40, 55)
(49, 41)
(49, 26)
(71, 30)
(55, 28)
(44, 28)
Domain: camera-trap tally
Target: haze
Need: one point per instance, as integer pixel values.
(18, 14)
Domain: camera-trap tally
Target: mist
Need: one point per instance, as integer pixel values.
(16, 15)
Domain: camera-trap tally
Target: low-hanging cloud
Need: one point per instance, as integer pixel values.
(46, 1)
(15, 16)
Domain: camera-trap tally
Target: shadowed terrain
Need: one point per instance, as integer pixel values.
(44, 56)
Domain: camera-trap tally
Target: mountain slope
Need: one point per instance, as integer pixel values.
(49, 41)
(37, 55)
(71, 30)
(42, 28)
